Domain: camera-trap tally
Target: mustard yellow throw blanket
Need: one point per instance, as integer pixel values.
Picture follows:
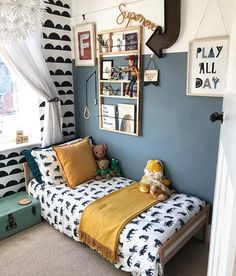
(103, 220)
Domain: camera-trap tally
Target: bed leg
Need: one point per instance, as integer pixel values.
(163, 270)
(206, 228)
(162, 264)
(26, 175)
(206, 234)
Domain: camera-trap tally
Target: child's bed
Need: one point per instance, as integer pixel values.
(147, 242)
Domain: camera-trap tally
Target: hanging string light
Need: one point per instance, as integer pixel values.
(19, 19)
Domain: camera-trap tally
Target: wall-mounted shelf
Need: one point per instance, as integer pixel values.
(122, 117)
(115, 81)
(119, 131)
(120, 97)
(119, 53)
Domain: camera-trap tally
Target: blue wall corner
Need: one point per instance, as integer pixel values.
(175, 128)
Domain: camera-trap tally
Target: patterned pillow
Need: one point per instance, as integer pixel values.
(49, 165)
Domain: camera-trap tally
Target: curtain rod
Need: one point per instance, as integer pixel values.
(108, 8)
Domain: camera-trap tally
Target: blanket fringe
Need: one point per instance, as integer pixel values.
(106, 252)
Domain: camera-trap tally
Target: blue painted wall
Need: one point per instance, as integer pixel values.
(175, 129)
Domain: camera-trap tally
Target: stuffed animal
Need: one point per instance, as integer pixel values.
(154, 182)
(115, 167)
(104, 171)
(100, 151)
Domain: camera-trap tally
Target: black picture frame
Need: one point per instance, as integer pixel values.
(106, 69)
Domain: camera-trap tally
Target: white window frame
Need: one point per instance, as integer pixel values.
(29, 121)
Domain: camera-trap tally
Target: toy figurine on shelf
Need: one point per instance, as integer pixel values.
(134, 75)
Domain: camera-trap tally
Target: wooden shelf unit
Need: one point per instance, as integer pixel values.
(102, 83)
(119, 53)
(120, 97)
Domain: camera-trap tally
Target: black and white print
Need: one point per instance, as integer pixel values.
(49, 166)
(58, 45)
(139, 241)
(11, 172)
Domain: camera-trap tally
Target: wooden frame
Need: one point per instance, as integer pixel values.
(114, 52)
(207, 66)
(179, 239)
(85, 44)
(184, 234)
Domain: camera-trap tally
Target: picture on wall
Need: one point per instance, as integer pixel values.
(207, 65)
(84, 44)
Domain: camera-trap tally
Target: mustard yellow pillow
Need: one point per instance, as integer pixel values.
(77, 162)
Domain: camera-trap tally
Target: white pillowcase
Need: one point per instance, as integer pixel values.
(49, 166)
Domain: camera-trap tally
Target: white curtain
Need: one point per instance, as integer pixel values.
(26, 60)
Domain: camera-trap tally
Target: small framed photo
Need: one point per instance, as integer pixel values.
(207, 66)
(106, 69)
(84, 36)
(131, 41)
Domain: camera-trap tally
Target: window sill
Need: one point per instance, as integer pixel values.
(14, 146)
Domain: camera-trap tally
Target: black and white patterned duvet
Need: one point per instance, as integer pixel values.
(139, 241)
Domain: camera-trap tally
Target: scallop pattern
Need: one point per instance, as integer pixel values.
(57, 44)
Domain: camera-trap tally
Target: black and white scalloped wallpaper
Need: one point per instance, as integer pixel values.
(57, 44)
(11, 172)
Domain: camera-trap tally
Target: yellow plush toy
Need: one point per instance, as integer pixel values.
(154, 182)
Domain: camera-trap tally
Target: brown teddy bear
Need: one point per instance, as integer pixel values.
(100, 151)
(104, 171)
(154, 182)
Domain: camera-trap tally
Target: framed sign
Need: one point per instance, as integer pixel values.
(150, 75)
(207, 66)
(84, 36)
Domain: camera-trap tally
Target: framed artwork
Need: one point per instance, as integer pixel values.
(109, 116)
(126, 117)
(106, 69)
(150, 75)
(131, 41)
(84, 36)
(207, 66)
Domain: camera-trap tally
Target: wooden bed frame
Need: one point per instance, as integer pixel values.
(179, 239)
(184, 234)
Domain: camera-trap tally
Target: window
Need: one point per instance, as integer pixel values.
(19, 108)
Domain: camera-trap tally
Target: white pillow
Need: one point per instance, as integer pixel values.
(49, 166)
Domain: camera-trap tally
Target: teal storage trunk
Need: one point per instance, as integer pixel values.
(14, 217)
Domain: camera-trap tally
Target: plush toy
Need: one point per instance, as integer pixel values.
(104, 171)
(154, 182)
(115, 167)
(100, 151)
